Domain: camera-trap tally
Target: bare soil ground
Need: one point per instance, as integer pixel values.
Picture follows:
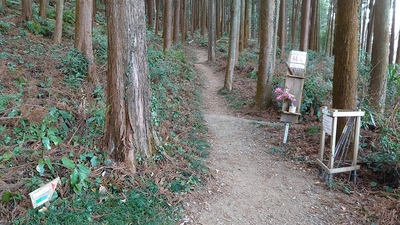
(250, 185)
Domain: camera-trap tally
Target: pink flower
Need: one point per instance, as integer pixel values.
(284, 95)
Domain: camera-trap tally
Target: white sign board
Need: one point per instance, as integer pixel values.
(298, 59)
(327, 124)
(43, 194)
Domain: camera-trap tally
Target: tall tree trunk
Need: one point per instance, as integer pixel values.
(315, 24)
(94, 13)
(128, 131)
(59, 21)
(363, 25)
(83, 34)
(311, 39)
(150, 12)
(295, 21)
(263, 98)
(26, 14)
(346, 55)
(253, 13)
(211, 31)
(305, 25)
(282, 28)
(177, 8)
(276, 27)
(241, 30)
(222, 17)
(370, 32)
(392, 34)
(317, 27)
(329, 27)
(167, 27)
(4, 3)
(157, 27)
(193, 18)
(203, 18)
(42, 8)
(398, 50)
(379, 57)
(232, 53)
(246, 35)
(217, 19)
(183, 21)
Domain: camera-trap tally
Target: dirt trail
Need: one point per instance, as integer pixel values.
(251, 186)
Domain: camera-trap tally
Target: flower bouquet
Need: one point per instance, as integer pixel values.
(285, 97)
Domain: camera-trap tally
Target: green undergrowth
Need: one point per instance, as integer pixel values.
(131, 207)
(379, 146)
(53, 124)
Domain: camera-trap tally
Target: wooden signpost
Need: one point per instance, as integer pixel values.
(294, 80)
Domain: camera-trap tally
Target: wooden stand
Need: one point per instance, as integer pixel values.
(294, 81)
(329, 126)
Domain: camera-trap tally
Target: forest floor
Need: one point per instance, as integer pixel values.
(251, 183)
(254, 178)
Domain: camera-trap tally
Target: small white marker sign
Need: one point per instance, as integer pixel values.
(327, 124)
(43, 194)
(298, 59)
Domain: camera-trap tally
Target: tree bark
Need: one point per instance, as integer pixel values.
(305, 25)
(184, 21)
(128, 119)
(253, 25)
(282, 28)
(157, 17)
(217, 19)
(26, 14)
(232, 53)
(346, 55)
(4, 3)
(295, 21)
(313, 20)
(167, 28)
(263, 98)
(42, 8)
(362, 31)
(193, 18)
(331, 30)
(317, 27)
(203, 8)
(59, 21)
(379, 57)
(222, 18)
(83, 35)
(241, 30)
(94, 13)
(276, 27)
(370, 30)
(150, 13)
(211, 31)
(398, 50)
(177, 8)
(392, 34)
(246, 23)
(346, 48)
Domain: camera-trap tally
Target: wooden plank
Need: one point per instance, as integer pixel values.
(295, 86)
(342, 113)
(289, 118)
(338, 170)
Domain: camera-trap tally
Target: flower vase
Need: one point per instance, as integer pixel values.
(292, 109)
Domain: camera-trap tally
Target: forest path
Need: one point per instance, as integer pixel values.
(250, 185)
